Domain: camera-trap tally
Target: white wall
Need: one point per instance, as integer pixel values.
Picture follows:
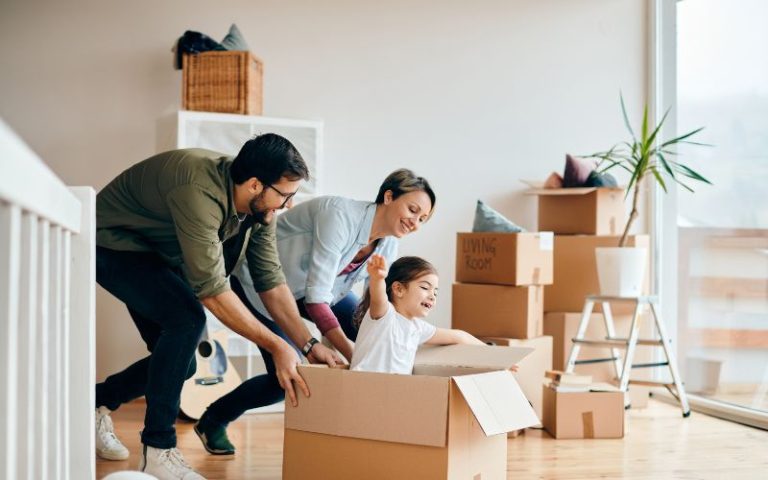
(472, 95)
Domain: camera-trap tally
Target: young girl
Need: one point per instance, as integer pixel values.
(392, 314)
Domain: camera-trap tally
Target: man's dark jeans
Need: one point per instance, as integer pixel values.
(264, 389)
(170, 320)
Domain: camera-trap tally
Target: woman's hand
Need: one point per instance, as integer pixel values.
(322, 354)
(377, 267)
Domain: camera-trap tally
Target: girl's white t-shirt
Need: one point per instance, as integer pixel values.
(389, 344)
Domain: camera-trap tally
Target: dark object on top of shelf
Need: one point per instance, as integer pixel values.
(194, 42)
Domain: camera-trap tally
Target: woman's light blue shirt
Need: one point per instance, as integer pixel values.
(316, 240)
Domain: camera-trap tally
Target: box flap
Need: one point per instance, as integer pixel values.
(481, 356)
(449, 370)
(376, 406)
(567, 191)
(497, 402)
(533, 183)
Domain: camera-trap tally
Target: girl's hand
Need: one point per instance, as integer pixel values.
(514, 368)
(377, 267)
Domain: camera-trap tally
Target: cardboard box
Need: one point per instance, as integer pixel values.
(583, 414)
(446, 421)
(575, 272)
(498, 310)
(587, 211)
(562, 328)
(504, 258)
(530, 375)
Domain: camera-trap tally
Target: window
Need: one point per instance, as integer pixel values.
(722, 84)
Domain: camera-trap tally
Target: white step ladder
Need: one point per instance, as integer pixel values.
(629, 344)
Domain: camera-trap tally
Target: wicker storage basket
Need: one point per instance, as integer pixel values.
(228, 82)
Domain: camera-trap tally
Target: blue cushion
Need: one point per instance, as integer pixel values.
(489, 220)
(601, 180)
(235, 40)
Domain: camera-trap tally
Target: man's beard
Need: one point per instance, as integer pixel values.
(259, 215)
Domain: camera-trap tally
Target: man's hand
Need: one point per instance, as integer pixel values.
(322, 354)
(377, 267)
(286, 361)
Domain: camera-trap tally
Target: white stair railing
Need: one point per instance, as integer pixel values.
(47, 320)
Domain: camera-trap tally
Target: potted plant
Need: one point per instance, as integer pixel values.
(621, 269)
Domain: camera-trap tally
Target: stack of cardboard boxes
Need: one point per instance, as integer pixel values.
(499, 297)
(582, 220)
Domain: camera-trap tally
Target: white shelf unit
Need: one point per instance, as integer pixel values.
(226, 133)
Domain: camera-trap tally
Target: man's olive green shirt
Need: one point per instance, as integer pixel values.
(180, 204)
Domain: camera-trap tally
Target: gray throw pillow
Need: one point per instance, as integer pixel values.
(235, 40)
(489, 220)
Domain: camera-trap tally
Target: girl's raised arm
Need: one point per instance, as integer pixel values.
(377, 271)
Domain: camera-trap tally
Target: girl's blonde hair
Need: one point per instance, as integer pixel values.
(403, 270)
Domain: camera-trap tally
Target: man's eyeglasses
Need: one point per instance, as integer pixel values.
(286, 196)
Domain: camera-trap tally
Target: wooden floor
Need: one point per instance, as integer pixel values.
(659, 444)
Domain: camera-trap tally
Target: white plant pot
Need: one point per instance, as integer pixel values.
(621, 270)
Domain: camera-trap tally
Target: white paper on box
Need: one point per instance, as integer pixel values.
(546, 241)
(497, 402)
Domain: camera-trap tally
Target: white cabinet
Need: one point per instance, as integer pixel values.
(226, 133)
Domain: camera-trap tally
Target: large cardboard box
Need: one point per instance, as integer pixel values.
(446, 421)
(530, 374)
(504, 258)
(575, 272)
(498, 310)
(562, 328)
(588, 211)
(583, 414)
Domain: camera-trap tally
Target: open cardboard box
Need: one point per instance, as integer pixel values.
(588, 211)
(504, 258)
(446, 421)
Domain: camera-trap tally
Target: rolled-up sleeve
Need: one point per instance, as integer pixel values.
(263, 260)
(331, 235)
(197, 217)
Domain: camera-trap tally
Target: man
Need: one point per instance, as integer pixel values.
(169, 231)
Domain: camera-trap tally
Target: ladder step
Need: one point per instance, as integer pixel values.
(616, 342)
(640, 341)
(650, 365)
(601, 343)
(596, 360)
(649, 383)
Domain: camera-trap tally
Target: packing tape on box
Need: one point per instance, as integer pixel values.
(588, 422)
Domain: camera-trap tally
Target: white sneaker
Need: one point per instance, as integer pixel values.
(166, 464)
(107, 444)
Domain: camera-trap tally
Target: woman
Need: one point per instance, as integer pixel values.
(323, 245)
